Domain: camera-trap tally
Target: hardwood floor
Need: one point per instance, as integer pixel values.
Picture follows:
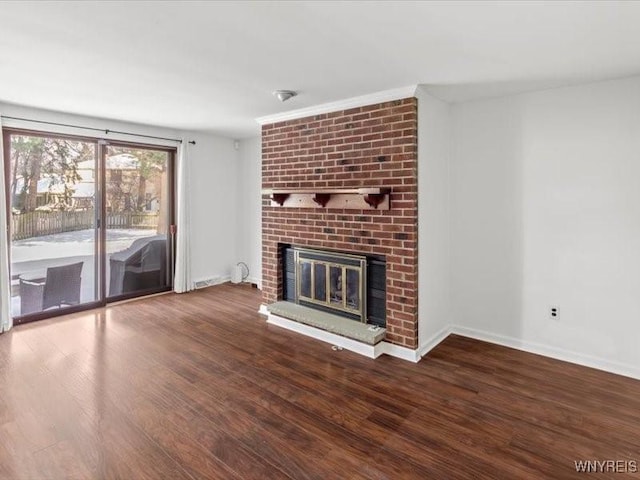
(198, 386)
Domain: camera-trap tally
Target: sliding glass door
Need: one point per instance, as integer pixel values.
(138, 212)
(89, 222)
(54, 242)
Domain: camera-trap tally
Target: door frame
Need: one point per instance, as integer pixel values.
(102, 154)
(100, 255)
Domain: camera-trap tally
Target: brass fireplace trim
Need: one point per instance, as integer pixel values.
(361, 268)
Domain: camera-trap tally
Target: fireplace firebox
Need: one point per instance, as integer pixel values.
(346, 284)
(331, 280)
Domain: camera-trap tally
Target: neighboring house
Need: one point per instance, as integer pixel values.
(51, 194)
(126, 187)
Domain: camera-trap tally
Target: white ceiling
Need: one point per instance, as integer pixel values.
(213, 65)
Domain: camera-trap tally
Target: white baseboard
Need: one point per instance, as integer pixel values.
(369, 351)
(415, 355)
(434, 340)
(397, 351)
(548, 351)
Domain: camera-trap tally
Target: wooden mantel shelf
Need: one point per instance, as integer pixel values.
(367, 198)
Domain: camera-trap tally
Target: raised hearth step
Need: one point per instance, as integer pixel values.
(369, 334)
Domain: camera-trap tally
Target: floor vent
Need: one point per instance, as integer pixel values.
(208, 282)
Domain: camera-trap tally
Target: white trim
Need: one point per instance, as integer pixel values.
(369, 351)
(403, 353)
(548, 351)
(221, 279)
(434, 340)
(415, 355)
(353, 102)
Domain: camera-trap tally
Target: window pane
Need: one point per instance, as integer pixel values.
(353, 289)
(51, 186)
(305, 279)
(137, 220)
(320, 282)
(335, 285)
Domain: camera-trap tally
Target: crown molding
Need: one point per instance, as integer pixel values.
(353, 102)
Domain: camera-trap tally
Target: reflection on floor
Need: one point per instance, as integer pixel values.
(199, 386)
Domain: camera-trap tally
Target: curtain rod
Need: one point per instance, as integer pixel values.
(105, 130)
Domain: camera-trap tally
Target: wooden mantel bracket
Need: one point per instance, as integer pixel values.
(322, 198)
(362, 198)
(279, 198)
(374, 199)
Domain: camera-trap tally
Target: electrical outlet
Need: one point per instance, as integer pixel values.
(554, 313)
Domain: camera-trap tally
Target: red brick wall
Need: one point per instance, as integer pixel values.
(373, 146)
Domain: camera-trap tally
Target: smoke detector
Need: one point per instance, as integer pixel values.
(284, 95)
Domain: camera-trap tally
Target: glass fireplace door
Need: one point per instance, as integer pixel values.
(331, 282)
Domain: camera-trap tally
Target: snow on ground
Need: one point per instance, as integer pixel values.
(72, 244)
(38, 253)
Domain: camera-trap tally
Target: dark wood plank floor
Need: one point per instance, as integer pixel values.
(198, 386)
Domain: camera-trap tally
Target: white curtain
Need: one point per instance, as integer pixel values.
(182, 281)
(5, 282)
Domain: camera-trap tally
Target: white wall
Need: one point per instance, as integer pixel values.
(213, 170)
(250, 207)
(545, 199)
(434, 135)
(214, 207)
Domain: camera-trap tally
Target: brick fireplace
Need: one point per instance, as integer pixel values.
(371, 146)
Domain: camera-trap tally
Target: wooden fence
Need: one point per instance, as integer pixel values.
(37, 224)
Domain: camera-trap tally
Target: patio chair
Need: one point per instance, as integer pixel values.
(142, 266)
(60, 286)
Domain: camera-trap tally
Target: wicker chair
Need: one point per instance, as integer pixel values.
(60, 286)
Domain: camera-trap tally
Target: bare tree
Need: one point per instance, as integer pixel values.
(35, 159)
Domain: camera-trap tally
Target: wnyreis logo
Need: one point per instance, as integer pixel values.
(606, 466)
